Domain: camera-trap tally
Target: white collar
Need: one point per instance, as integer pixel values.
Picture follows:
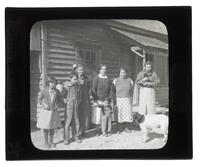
(100, 76)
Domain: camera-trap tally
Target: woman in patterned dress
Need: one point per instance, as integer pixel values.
(147, 81)
(123, 93)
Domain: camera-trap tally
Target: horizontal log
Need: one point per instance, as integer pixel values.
(60, 61)
(63, 78)
(59, 45)
(56, 50)
(59, 67)
(62, 56)
(56, 35)
(55, 72)
(59, 40)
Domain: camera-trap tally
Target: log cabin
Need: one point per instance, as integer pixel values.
(58, 44)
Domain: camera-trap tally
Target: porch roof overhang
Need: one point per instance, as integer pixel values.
(141, 41)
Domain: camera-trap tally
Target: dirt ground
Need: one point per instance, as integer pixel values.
(123, 140)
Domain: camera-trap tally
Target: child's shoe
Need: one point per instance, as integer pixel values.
(104, 134)
(108, 134)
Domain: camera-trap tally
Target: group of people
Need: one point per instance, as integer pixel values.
(106, 95)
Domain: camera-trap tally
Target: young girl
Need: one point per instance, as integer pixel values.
(49, 119)
(106, 118)
(72, 100)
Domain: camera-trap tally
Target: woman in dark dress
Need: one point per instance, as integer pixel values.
(101, 89)
(85, 106)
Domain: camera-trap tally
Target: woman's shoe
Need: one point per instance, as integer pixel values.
(99, 133)
(53, 145)
(78, 141)
(46, 145)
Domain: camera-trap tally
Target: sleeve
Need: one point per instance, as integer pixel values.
(114, 82)
(94, 88)
(113, 91)
(111, 96)
(64, 96)
(59, 98)
(132, 83)
(154, 80)
(40, 97)
(79, 94)
(132, 87)
(139, 78)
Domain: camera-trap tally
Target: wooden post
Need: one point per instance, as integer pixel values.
(144, 58)
(44, 56)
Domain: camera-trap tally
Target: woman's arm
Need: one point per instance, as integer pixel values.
(139, 78)
(94, 88)
(40, 97)
(132, 88)
(65, 89)
(154, 80)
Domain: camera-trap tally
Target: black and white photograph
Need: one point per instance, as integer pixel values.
(99, 84)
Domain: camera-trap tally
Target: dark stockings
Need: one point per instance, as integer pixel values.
(48, 136)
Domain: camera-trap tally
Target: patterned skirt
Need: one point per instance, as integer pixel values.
(124, 106)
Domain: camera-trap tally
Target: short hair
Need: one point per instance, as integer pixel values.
(123, 68)
(102, 65)
(148, 63)
(72, 74)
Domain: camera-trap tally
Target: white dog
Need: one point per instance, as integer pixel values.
(150, 122)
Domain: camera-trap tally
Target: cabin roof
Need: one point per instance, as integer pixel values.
(142, 40)
(150, 25)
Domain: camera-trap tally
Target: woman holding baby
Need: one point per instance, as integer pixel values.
(147, 81)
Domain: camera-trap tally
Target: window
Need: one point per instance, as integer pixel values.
(87, 56)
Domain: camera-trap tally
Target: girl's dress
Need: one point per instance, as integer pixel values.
(124, 94)
(48, 117)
